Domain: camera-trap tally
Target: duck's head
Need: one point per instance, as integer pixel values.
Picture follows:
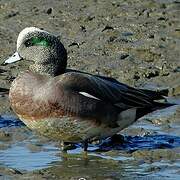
(45, 50)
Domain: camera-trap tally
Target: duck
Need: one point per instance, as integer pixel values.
(69, 105)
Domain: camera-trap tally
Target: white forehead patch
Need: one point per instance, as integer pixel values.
(26, 31)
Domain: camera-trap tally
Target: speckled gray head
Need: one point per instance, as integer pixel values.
(45, 50)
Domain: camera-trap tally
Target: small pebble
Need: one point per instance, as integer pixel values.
(124, 56)
(49, 11)
(12, 14)
(107, 28)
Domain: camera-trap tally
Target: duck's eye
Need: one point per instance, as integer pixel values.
(37, 41)
(28, 43)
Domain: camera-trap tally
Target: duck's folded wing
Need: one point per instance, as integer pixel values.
(106, 90)
(152, 94)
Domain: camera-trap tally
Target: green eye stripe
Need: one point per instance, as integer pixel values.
(40, 41)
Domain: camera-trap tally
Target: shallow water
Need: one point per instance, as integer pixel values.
(145, 156)
(20, 157)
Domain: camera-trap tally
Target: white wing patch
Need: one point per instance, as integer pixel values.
(88, 95)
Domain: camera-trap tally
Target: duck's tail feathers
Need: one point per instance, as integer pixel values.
(160, 105)
(155, 95)
(157, 105)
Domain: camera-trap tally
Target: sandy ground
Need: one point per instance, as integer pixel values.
(136, 42)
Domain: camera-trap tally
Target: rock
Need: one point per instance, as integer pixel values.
(49, 11)
(12, 14)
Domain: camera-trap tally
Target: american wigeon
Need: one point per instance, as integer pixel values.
(68, 105)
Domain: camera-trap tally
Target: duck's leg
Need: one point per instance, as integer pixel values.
(85, 145)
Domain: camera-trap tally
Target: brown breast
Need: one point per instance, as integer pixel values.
(32, 96)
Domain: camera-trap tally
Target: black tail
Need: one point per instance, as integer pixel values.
(157, 105)
(155, 95)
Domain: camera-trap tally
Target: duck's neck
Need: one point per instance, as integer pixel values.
(48, 69)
